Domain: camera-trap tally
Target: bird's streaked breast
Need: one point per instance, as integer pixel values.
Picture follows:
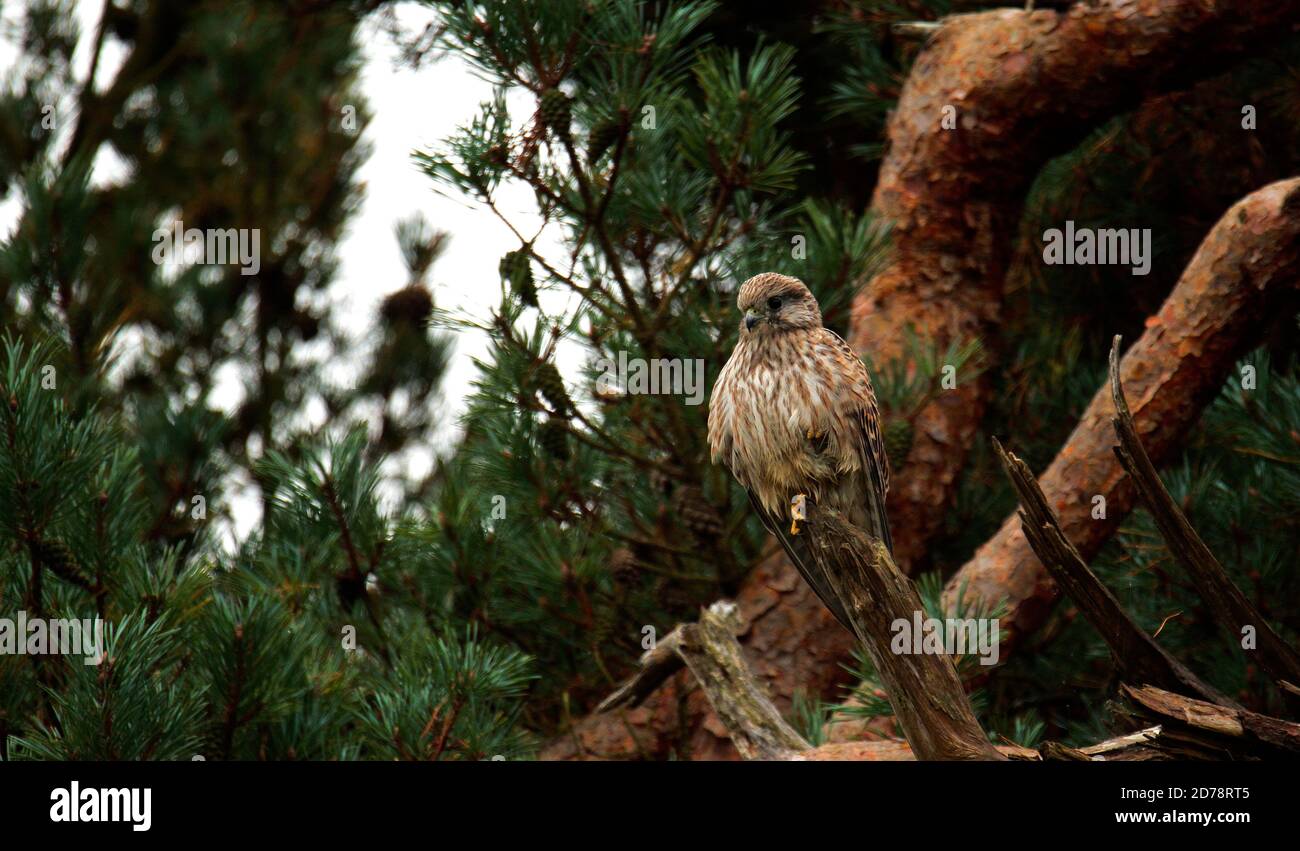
(774, 391)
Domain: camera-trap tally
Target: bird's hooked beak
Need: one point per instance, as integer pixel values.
(752, 318)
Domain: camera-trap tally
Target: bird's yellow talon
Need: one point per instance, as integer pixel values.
(798, 512)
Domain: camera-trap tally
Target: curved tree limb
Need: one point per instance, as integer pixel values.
(1245, 271)
(1022, 88)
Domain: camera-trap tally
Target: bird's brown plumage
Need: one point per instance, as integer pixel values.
(793, 412)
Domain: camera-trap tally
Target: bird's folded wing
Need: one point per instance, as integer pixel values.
(875, 465)
(870, 442)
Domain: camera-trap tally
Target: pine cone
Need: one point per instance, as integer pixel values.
(59, 558)
(524, 286)
(516, 269)
(554, 438)
(696, 513)
(898, 440)
(411, 305)
(604, 134)
(555, 112)
(547, 380)
(624, 566)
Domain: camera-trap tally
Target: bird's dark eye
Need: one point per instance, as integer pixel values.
(774, 303)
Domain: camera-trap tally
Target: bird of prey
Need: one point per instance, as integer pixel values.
(793, 416)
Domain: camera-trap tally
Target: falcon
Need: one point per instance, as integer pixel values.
(793, 416)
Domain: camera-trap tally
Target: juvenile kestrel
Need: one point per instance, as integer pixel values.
(793, 414)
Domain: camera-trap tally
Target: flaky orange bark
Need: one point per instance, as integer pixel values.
(1020, 87)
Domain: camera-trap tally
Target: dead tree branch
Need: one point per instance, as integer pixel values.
(1137, 656)
(1230, 608)
(1125, 742)
(792, 643)
(657, 665)
(1211, 731)
(709, 649)
(924, 689)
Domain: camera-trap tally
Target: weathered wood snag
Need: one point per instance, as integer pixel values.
(1209, 728)
(710, 651)
(1233, 612)
(791, 642)
(1136, 655)
(924, 689)
(927, 695)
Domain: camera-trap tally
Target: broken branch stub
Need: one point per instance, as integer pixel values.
(923, 688)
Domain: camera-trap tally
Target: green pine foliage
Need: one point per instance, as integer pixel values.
(306, 643)
(612, 519)
(119, 471)
(206, 134)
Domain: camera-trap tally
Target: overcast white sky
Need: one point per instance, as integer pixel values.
(412, 110)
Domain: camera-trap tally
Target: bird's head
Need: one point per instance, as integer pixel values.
(770, 302)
